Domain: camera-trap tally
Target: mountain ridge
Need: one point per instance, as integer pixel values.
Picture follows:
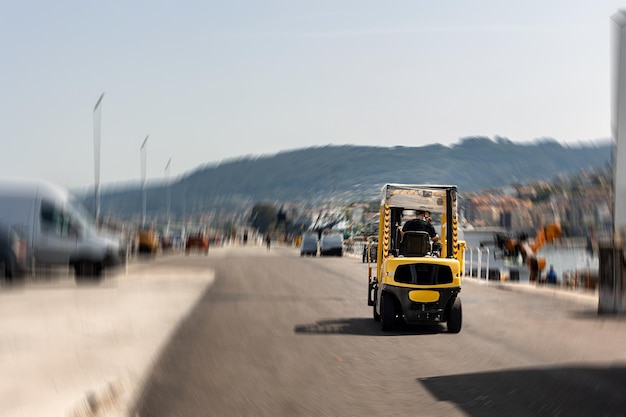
(345, 173)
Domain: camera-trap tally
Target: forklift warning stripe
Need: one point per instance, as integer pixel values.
(387, 224)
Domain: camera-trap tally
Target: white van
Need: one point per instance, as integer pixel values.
(56, 230)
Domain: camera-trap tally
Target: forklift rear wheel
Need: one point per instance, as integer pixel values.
(387, 312)
(455, 318)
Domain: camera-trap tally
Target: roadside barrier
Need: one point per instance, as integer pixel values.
(477, 255)
(358, 247)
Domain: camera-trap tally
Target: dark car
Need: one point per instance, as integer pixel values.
(308, 246)
(199, 242)
(331, 245)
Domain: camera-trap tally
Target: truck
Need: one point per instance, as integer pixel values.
(54, 230)
(413, 280)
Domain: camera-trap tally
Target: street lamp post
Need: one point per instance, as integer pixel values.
(167, 195)
(96, 155)
(143, 150)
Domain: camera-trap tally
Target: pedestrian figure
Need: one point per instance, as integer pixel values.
(422, 223)
(268, 241)
(551, 276)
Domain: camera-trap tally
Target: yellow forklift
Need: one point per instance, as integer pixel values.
(416, 280)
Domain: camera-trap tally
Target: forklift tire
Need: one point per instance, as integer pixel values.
(455, 317)
(387, 312)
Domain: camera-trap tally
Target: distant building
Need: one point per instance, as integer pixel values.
(501, 211)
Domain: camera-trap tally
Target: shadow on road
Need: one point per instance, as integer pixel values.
(555, 391)
(363, 327)
(55, 282)
(592, 314)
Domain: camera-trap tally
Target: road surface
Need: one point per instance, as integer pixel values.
(281, 335)
(250, 332)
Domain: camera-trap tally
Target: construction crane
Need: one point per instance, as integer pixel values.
(514, 247)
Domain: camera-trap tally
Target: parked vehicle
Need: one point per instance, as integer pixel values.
(199, 242)
(331, 244)
(56, 230)
(166, 242)
(149, 241)
(308, 245)
(12, 254)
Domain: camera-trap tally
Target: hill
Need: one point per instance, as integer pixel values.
(352, 173)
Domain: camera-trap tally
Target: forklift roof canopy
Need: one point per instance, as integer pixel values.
(417, 196)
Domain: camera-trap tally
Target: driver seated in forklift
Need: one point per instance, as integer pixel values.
(422, 223)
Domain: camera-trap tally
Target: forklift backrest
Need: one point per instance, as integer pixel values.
(415, 244)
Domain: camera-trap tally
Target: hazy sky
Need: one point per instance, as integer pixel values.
(213, 80)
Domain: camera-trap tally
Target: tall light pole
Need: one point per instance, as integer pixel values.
(96, 154)
(143, 150)
(167, 191)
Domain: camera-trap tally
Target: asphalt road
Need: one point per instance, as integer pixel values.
(281, 335)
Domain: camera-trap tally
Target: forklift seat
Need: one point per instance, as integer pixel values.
(415, 244)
